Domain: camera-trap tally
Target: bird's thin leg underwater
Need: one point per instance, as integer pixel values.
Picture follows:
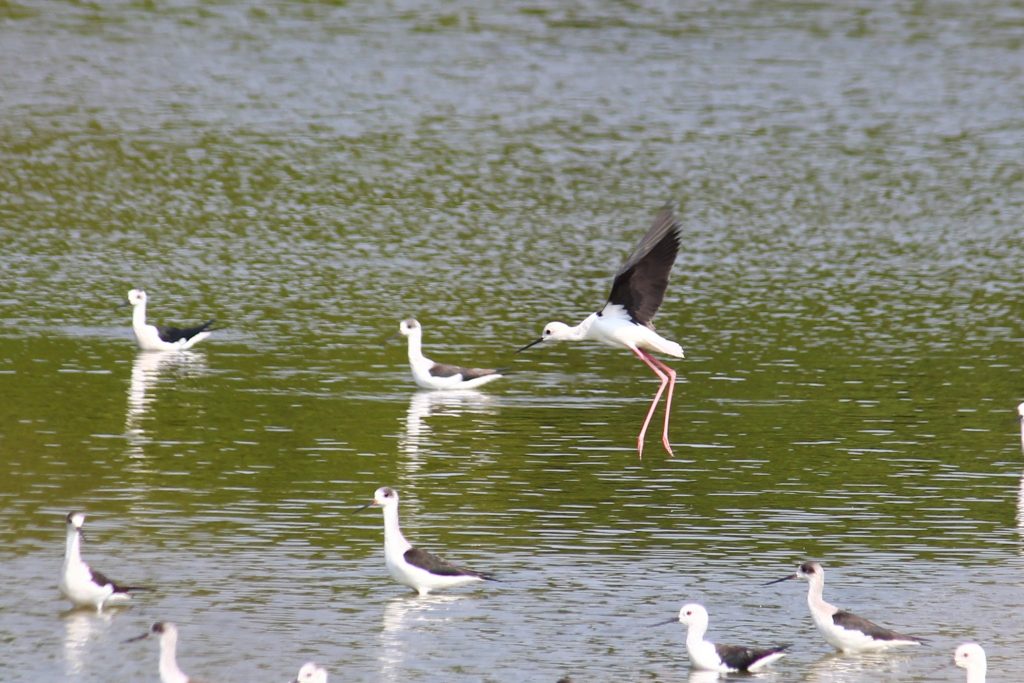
(652, 363)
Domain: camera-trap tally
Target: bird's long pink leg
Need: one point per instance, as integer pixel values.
(667, 369)
(650, 361)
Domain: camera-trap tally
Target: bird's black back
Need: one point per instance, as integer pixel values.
(173, 334)
(852, 622)
(442, 370)
(742, 658)
(435, 565)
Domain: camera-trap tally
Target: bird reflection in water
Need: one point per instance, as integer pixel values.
(404, 614)
(426, 404)
(147, 369)
(81, 628)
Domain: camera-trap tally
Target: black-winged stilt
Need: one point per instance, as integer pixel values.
(843, 630)
(625, 321)
(169, 671)
(411, 566)
(971, 656)
(157, 337)
(81, 584)
(708, 656)
(311, 673)
(430, 375)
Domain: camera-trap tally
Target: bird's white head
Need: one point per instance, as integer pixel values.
(311, 673)
(1020, 411)
(693, 615)
(554, 331)
(970, 656)
(136, 297)
(385, 496)
(164, 629)
(76, 519)
(809, 571)
(409, 326)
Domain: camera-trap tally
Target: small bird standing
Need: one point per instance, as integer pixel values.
(169, 671)
(708, 656)
(843, 630)
(311, 673)
(971, 656)
(625, 321)
(411, 566)
(430, 375)
(157, 337)
(79, 583)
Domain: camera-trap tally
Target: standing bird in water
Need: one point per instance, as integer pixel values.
(843, 630)
(430, 375)
(158, 337)
(412, 567)
(625, 321)
(81, 584)
(708, 656)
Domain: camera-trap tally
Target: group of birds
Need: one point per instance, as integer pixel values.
(424, 572)
(86, 587)
(845, 631)
(625, 321)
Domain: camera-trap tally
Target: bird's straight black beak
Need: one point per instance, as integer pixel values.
(673, 620)
(536, 341)
(363, 507)
(138, 638)
(784, 578)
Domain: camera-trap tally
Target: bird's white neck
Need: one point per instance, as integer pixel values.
(815, 600)
(139, 314)
(976, 674)
(393, 537)
(578, 332)
(695, 635)
(169, 671)
(72, 548)
(415, 348)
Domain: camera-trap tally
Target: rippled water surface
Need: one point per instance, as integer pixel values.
(850, 181)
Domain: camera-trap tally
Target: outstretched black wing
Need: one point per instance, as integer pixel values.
(640, 284)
